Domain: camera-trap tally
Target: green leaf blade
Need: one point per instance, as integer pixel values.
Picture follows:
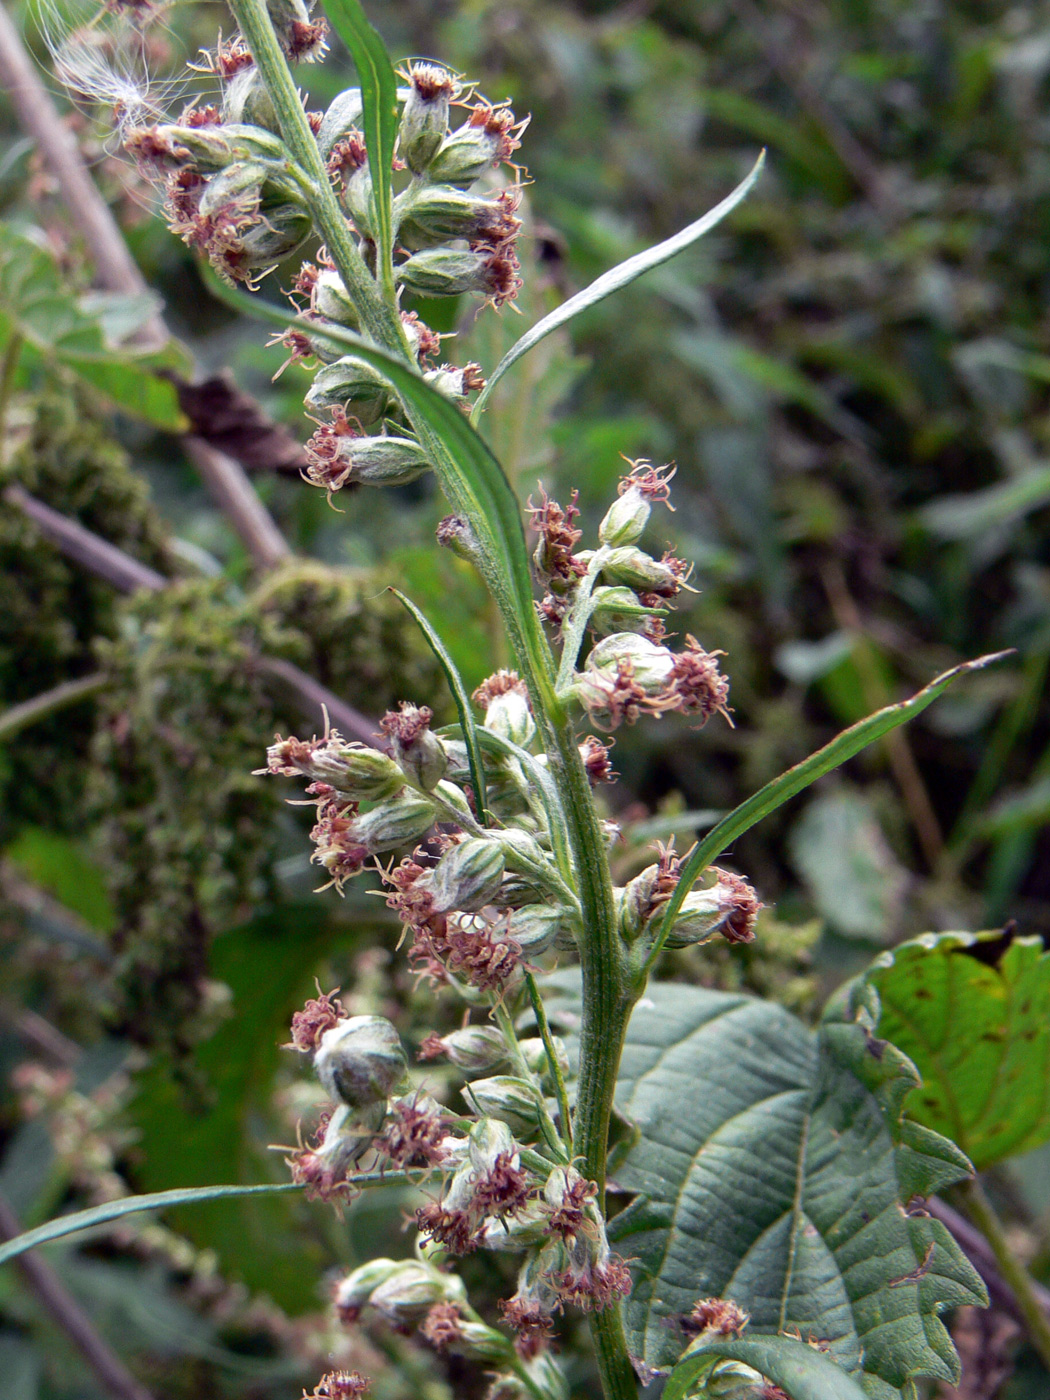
(773, 1169)
(616, 279)
(799, 1370)
(379, 97)
(975, 1019)
(769, 798)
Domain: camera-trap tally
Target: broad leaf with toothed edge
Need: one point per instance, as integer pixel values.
(774, 1168)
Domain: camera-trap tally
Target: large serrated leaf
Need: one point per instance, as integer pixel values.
(54, 327)
(974, 1016)
(773, 1168)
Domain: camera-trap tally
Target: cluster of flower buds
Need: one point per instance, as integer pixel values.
(621, 594)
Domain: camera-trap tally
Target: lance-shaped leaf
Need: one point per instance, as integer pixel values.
(615, 279)
(774, 1168)
(801, 1372)
(380, 118)
(767, 799)
(973, 1012)
(470, 477)
(53, 326)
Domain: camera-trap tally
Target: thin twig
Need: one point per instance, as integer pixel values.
(42, 1035)
(229, 485)
(57, 698)
(117, 271)
(66, 1312)
(73, 539)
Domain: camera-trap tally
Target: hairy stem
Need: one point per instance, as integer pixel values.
(983, 1215)
(380, 322)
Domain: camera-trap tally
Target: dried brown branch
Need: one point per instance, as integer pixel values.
(66, 1312)
(312, 697)
(232, 490)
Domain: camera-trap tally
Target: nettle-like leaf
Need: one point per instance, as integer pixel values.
(54, 326)
(973, 1012)
(774, 1167)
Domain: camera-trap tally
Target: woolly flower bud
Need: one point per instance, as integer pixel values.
(352, 385)
(331, 300)
(625, 519)
(468, 876)
(456, 383)
(509, 716)
(638, 570)
(338, 457)
(534, 1051)
(424, 118)
(420, 753)
(473, 1048)
(360, 1061)
(729, 907)
(523, 852)
(535, 928)
(356, 1289)
(435, 214)
(490, 1139)
(209, 148)
(651, 665)
(489, 137)
(342, 117)
(281, 229)
(518, 1232)
(357, 771)
(246, 100)
(395, 822)
(616, 609)
(512, 1101)
(408, 1293)
(302, 39)
(446, 272)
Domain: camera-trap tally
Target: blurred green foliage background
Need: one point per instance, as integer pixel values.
(853, 377)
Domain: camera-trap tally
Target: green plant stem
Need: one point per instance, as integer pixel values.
(561, 1093)
(619, 1381)
(8, 367)
(982, 1213)
(547, 1126)
(380, 321)
(49, 703)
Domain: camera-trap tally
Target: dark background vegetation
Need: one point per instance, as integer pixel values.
(853, 376)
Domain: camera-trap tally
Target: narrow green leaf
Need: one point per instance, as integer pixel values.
(973, 1012)
(773, 1167)
(379, 96)
(617, 278)
(844, 746)
(462, 699)
(799, 1370)
(470, 477)
(115, 1210)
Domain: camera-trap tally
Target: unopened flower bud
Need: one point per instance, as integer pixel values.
(455, 383)
(343, 116)
(535, 1053)
(489, 137)
(456, 533)
(474, 1048)
(729, 908)
(651, 664)
(513, 1101)
(408, 1293)
(424, 118)
(247, 101)
(535, 928)
(523, 852)
(352, 385)
(434, 214)
(617, 609)
(357, 1288)
(332, 301)
(301, 38)
(417, 749)
(626, 518)
(446, 272)
(453, 796)
(632, 566)
(360, 1061)
(394, 822)
(340, 459)
(468, 876)
(490, 1139)
(216, 146)
(357, 771)
(508, 715)
(241, 181)
(518, 1232)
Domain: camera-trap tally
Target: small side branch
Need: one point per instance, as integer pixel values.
(231, 489)
(58, 698)
(96, 554)
(66, 1313)
(313, 697)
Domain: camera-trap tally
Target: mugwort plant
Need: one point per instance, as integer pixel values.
(775, 1242)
